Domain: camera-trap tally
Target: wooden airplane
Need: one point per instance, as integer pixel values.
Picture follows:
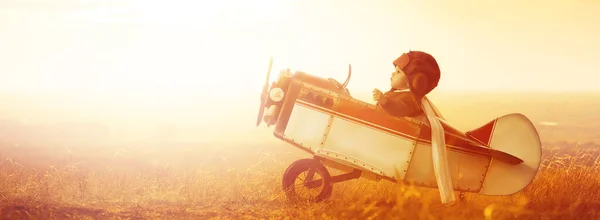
(319, 116)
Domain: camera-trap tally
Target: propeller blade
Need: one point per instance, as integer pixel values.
(266, 86)
(264, 94)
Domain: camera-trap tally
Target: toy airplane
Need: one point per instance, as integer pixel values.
(320, 116)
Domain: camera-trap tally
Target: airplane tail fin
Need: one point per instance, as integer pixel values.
(513, 134)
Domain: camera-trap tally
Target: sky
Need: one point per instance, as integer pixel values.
(141, 53)
(200, 46)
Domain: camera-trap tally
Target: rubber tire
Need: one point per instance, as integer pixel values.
(302, 165)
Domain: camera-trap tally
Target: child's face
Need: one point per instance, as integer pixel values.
(399, 79)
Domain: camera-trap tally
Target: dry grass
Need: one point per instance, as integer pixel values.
(202, 182)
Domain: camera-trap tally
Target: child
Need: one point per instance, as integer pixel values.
(417, 73)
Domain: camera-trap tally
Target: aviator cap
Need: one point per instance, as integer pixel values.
(422, 71)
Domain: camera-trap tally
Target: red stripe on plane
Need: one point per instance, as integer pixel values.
(484, 133)
(389, 129)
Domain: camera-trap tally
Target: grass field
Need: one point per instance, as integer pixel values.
(198, 182)
(242, 180)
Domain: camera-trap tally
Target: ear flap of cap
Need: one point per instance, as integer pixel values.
(419, 84)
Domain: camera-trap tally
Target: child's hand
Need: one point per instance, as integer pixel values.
(377, 94)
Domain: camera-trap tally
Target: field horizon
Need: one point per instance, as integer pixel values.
(188, 117)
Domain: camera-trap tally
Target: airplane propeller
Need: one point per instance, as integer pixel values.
(264, 95)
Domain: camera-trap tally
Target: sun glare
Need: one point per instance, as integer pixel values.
(178, 46)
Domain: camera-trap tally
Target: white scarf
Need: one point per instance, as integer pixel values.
(438, 154)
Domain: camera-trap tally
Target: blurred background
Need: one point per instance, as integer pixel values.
(107, 71)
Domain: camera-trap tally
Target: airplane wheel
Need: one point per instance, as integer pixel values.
(307, 180)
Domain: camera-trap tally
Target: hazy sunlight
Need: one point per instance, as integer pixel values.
(177, 60)
(146, 109)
